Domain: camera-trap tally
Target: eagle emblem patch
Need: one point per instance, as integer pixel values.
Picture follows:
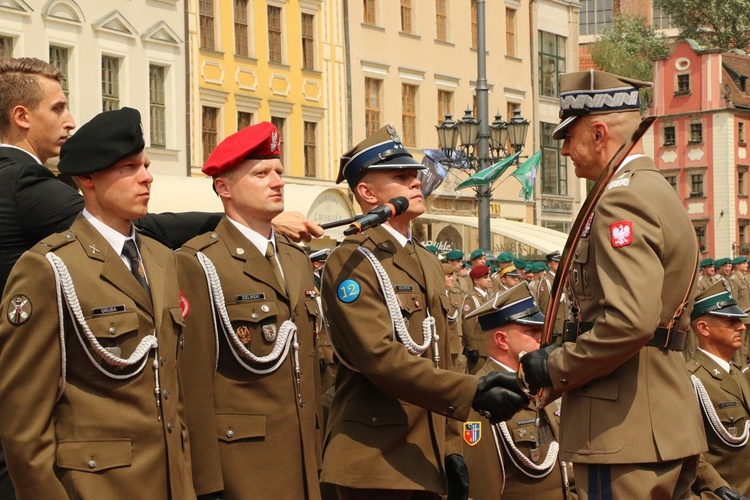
(472, 432)
(621, 233)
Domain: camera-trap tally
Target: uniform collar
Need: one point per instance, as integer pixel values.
(627, 160)
(400, 238)
(259, 241)
(723, 364)
(114, 238)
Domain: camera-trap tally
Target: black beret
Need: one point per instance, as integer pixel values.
(101, 142)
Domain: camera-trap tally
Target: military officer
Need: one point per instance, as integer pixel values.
(477, 257)
(252, 380)
(475, 348)
(723, 268)
(740, 284)
(706, 276)
(504, 260)
(91, 337)
(723, 391)
(545, 290)
(455, 331)
(508, 459)
(508, 278)
(384, 299)
(455, 259)
(622, 378)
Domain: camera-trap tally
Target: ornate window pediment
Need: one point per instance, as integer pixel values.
(161, 33)
(114, 22)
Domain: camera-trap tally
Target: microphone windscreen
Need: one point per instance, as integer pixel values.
(400, 204)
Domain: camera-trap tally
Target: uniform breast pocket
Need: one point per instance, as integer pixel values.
(732, 417)
(523, 433)
(581, 273)
(178, 323)
(233, 427)
(256, 325)
(113, 329)
(93, 455)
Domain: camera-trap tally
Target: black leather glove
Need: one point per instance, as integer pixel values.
(472, 356)
(535, 370)
(725, 493)
(458, 477)
(498, 396)
(211, 496)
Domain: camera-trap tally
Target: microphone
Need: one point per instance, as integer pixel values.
(378, 215)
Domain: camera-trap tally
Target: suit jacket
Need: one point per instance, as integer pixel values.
(105, 437)
(621, 398)
(488, 466)
(730, 395)
(387, 427)
(252, 436)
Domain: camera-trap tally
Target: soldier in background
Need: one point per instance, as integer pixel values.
(741, 292)
(706, 277)
(508, 278)
(506, 459)
(476, 258)
(455, 259)
(723, 269)
(455, 331)
(723, 390)
(475, 350)
(504, 260)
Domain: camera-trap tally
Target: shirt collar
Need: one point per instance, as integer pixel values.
(114, 238)
(258, 240)
(403, 240)
(504, 367)
(627, 160)
(718, 360)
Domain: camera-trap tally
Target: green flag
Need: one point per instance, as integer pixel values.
(490, 174)
(526, 174)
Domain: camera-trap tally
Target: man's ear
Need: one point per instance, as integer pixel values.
(19, 116)
(221, 187)
(366, 193)
(600, 132)
(501, 339)
(86, 181)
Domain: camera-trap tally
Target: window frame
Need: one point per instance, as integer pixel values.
(110, 83)
(157, 105)
(409, 97)
(696, 133)
(669, 132)
(373, 106)
(310, 139)
(210, 136)
(275, 34)
(307, 26)
(441, 20)
(241, 28)
(558, 59)
(511, 27)
(207, 24)
(550, 146)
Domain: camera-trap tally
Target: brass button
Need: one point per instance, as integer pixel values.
(265, 308)
(214, 235)
(451, 409)
(166, 394)
(374, 420)
(230, 433)
(170, 427)
(112, 330)
(92, 463)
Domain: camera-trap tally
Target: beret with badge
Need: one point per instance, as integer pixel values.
(102, 142)
(595, 92)
(476, 254)
(520, 264)
(454, 255)
(256, 142)
(707, 262)
(382, 150)
(515, 305)
(479, 272)
(505, 257)
(718, 301)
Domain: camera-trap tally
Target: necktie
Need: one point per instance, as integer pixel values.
(271, 257)
(412, 253)
(136, 265)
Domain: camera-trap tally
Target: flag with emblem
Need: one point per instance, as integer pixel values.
(472, 432)
(526, 175)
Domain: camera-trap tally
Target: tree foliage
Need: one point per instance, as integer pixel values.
(723, 24)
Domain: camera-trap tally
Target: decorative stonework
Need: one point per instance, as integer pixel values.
(743, 207)
(65, 11)
(161, 32)
(115, 23)
(311, 90)
(668, 156)
(279, 84)
(246, 79)
(696, 208)
(212, 72)
(695, 154)
(742, 153)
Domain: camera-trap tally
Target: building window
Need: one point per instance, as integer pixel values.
(696, 133)
(157, 103)
(742, 181)
(595, 16)
(369, 12)
(672, 180)
(308, 41)
(244, 119)
(551, 62)
(110, 83)
(274, 34)
(441, 20)
(210, 130)
(683, 84)
(280, 124)
(670, 136)
(6, 46)
(744, 248)
(661, 20)
(409, 114)
(554, 169)
(372, 105)
(700, 234)
(741, 133)
(474, 24)
(240, 28)
(510, 32)
(696, 185)
(206, 8)
(444, 104)
(406, 19)
(310, 142)
(58, 56)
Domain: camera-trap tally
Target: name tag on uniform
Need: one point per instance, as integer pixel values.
(250, 296)
(101, 311)
(728, 404)
(525, 422)
(404, 288)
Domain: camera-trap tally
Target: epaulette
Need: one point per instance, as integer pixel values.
(284, 240)
(622, 180)
(202, 241)
(357, 239)
(692, 366)
(54, 241)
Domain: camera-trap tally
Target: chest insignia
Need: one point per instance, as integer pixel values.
(472, 432)
(587, 228)
(184, 305)
(269, 332)
(243, 333)
(246, 297)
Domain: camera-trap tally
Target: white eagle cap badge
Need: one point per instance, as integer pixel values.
(274, 141)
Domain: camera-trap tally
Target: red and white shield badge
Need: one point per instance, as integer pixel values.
(472, 432)
(621, 233)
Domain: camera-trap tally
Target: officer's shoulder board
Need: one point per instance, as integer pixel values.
(201, 242)
(621, 180)
(692, 366)
(53, 242)
(284, 240)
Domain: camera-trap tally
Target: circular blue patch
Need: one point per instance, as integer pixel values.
(348, 291)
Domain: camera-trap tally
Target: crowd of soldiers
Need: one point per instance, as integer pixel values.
(238, 366)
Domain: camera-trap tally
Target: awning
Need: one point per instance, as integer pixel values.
(543, 239)
(174, 193)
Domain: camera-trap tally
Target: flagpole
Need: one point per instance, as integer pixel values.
(483, 138)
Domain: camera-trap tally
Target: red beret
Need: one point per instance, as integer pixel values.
(256, 142)
(479, 272)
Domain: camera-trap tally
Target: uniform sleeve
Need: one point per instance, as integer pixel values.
(708, 480)
(30, 355)
(198, 367)
(469, 326)
(362, 332)
(630, 276)
(47, 204)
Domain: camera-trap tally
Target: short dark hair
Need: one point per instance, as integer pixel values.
(20, 84)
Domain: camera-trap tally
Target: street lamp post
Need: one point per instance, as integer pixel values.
(483, 144)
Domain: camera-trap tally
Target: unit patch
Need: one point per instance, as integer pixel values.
(19, 309)
(621, 233)
(472, 432)
(184, 305)
(348, 291)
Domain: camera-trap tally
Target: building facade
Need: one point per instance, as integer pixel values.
(113, 54)
(700, 141)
